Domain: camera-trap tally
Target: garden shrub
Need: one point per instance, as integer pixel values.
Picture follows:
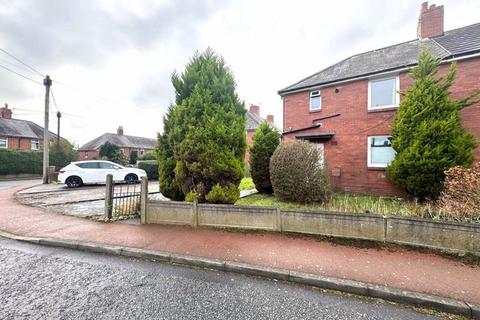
(265, 140)
(203, 143)
(62, 154)
(298, 174)
(112, 152)
(14, 161)
(150, 155)
(150, 167)
(133, 157)
(228, 194)
(191, 196)
(427, 132)
(461, 196)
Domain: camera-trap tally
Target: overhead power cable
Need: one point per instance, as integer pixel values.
(20, 75)
(54, 101)
(25, 64)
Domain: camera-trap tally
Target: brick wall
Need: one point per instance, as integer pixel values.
(346, 152)
(249, 145)
(22, 143)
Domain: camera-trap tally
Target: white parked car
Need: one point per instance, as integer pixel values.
(95, 171)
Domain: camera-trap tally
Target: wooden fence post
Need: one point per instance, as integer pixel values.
(143, 200)
(109, 197)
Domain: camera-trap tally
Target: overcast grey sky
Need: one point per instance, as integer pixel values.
(111, 60)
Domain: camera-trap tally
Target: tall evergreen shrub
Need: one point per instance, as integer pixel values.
(427, 133)
(265, 140)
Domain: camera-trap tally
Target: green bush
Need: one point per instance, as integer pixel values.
(62, 154)
(150, 155)
(133, 157)
(297, 174)
(191, 196)
(20, 162)
(228, 194)
(427, 133)
(150, 167)
(112, 152)
(265, 140)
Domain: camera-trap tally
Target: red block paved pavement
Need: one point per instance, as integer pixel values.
(400, 268)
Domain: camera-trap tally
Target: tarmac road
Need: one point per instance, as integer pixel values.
(39, 282)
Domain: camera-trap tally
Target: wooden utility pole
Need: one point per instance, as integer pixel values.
(59, 115)
(47, 82)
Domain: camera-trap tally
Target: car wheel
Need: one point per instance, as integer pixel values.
(74, 182)
(131, 178)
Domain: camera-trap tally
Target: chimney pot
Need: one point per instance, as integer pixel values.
(424, 7)
(270, 118)
(120, 131)
(255, 109)
(430, 21)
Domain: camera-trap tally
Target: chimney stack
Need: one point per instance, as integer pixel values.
(5, 112)
(430, 21)
(255, 109)
(120, 131)
(270, 118)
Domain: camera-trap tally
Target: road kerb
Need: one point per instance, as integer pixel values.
(420, 299)
(145, 254)
(475, 308)
(336, 284)
(254, 270)
(343, 285)
(197, 262)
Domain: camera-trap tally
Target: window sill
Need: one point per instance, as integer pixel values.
(376, 168)
(382, 109)
(315, 111)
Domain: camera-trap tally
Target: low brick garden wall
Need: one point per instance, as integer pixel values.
(449, 236)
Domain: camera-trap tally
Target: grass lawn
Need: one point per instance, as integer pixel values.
(344, 202)
(246, 184)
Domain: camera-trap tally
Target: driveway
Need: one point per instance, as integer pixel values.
(86, 201)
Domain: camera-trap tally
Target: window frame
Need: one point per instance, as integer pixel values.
(396, 93)
(315, 94)
(31, 144)
(369, 152)
(6, 142)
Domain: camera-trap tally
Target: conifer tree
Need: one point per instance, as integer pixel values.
(204, 133)
(265, 140)
(427, 134)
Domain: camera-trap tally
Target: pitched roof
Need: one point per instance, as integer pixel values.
(123, 141)
(453, 43)
(253, 121)
(22, 129)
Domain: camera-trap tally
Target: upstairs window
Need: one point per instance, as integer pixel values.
(380, 151)
(3, 143)
(315, 100)
(383, 93)
(35, 144)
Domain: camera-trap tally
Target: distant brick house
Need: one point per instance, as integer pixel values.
(91, 150)
(20, 134)
(348, 108)
(253, 122)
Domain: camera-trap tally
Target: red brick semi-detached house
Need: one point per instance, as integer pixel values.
(91, 150)
(347, 108)
(20, 134)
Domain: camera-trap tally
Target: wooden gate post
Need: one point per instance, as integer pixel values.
(109, 197)
(143, 200)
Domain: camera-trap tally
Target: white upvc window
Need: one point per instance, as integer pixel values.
(380, 151)
(315, 100)
(35, 144)
(3, 143)
(383, 93)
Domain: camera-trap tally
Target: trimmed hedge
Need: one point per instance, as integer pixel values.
(150, 167)
(18, 162)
